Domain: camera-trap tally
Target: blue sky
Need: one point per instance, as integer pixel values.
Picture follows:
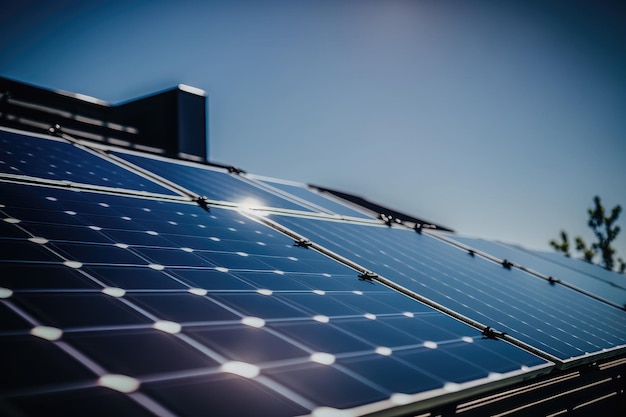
(498, 119)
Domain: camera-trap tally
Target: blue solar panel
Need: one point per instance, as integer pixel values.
(58, 160)
(214, 184)
(612, 278)
(325, 204)
(586, 282)
(159, 306)
(554, 319)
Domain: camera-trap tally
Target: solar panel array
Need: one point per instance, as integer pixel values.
(596, 281)
(54, 159)
(579, 265)
(128, 298)
(304, 193)
(214, 184)
(554, 319)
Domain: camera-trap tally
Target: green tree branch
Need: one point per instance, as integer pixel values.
(605, 231)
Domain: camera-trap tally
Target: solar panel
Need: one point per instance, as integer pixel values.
(213, 183)
(301, 191)
(565, 324)
(150, 307)
(59, 160)
(605, 290)
(592, 270)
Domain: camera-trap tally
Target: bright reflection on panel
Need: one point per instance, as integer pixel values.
(167, 326)
(253, 322)
(114, 291)
(323, 358)
(430, 345)
(494, 376)
(400, 399)
(38, 240)
(243, 369)
(250, 203)
(321, 318)
(451, 387)
(5, 292)
(121, 383)
(47, 332)
(198, 291)
(73, 264)
(265, 292)
(331, 412)
(383, 350)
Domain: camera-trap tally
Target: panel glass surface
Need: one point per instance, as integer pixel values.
(203, 309)
(606, 290)
(552, 318)
(215, 185)
(326, 204)
(92, 402)
(59, 160)
(577, 264)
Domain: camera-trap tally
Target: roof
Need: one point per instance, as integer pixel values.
(139, 284)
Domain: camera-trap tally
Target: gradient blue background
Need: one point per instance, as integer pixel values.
(500, 119)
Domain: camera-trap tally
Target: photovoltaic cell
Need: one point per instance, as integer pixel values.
(554, 319)
(211, 183)
(94, 402)
(139, 352)
(606, 290)
(326, 204)
(32, 362)
(207, 311)
(55, 159)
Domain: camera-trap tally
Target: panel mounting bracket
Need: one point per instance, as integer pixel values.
(235, 170)
(303, 243)
(203, 202)
(368, 277)
(491, 333)
(553, 280)
(507, 264)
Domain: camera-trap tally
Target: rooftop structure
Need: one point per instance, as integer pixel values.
(171, 123)
(138, 279)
